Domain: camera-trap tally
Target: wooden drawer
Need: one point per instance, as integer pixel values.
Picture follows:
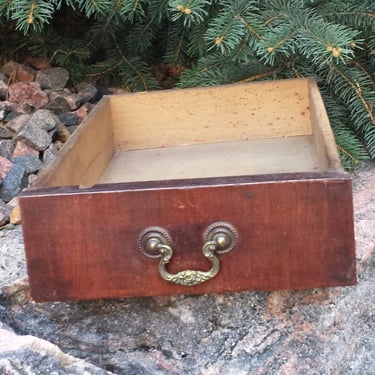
(247, 174)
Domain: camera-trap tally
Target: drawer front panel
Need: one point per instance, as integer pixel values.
(291, 234)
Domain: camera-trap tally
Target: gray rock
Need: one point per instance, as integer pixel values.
(35, 136)
(12, 115)
(69, 119)
(31, 163)
(6, 133)
(33, 356)
(58, 105)
(6, 148)
(45, 119)
(37, 131)
(4, 213)
(18, 122)
(49, 154)
(14, 182)
(87, 92)
(3, 78)
(5, 107)
(73, 100)
(53, 78)
(3, 90)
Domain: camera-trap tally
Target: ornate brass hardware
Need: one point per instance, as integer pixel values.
(220, 238)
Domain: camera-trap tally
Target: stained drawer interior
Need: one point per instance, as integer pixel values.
(241, 129)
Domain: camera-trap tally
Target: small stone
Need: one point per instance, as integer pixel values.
(35, 132)
(3, 78)
(50, 153)
(22, 108)
(5, 166)
(82, 112)
(6, 133)
(12, 115)
(31, 163)
(45, 119)
(52, 78)
(5, 108)
(22, 148)
(29, 93)
(4, 218)
(87, 92)
(61, 134)
(58, 105)
(73, 100)
(6, 148)
(4, 213)
(34, 136)
(25, 73)
(69, 119)
(15, 216)
(3, 89)
(14, 202)
(17, 123)
(31, 179)
(14, 182)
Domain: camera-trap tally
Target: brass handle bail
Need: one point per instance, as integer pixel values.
(220, 238)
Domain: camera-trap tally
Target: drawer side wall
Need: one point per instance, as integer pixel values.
(85, 156)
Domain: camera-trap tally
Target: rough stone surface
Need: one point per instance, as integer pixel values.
(53, 78)
(4, 213)
(5, 108)
(31, 162)
(14, 182)
(3, 90)
(49, 154)
(5, 166)
(35, 137)
(6, 148)
(69, 119)
(58, 105)
(4, 217)
(22, 148)
(45, 119)
(87, 92)
(16, 123)
(312, 332)
(5, 133)
(28, 93)
(12, 259)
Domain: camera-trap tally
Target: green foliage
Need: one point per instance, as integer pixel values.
(215, 42)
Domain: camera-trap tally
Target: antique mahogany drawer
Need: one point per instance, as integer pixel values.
(228, 188)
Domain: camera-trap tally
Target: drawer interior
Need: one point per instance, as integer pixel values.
(258, 156)
(242, 129)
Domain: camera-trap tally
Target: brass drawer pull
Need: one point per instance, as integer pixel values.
(220, 238)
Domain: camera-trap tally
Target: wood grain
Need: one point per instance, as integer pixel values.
(87, 153)
(211, 114)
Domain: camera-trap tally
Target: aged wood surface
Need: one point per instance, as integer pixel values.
(293, 233)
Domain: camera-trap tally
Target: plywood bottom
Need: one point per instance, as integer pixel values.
(260, 156)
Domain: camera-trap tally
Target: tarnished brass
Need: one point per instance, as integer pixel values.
(220, 238)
